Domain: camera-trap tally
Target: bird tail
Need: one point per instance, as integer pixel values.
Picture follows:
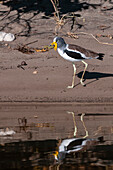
(101, 55)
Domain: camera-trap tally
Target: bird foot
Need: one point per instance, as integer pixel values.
(70, 87)
(81, 81)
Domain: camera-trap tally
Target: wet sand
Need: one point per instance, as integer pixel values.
(49, 121)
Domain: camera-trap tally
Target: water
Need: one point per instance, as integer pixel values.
(31, 133)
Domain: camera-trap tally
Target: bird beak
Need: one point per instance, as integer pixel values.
(55, 45)
(56, 155)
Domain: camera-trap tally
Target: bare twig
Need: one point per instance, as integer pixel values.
(106, 43)
(7, 13)
(59, 21)
(56, 10)
(72, 35)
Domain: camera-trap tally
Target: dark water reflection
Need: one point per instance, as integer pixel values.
(30, 135)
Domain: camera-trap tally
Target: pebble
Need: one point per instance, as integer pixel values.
(35, 72)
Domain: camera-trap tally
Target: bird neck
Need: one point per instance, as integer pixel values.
(63, 47)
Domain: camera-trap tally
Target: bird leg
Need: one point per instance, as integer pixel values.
(81, 117)
(75, 126)
(81, 80)
(73, 77)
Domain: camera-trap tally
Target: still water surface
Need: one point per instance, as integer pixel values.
(31, 134)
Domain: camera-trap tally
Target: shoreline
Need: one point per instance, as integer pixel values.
(53, 103)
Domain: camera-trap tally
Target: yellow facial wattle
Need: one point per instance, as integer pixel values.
(56, 155)
(55, 45)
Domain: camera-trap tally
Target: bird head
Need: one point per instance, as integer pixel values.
(56, 155)
(59, 156)
(54, 43)
(58, 42)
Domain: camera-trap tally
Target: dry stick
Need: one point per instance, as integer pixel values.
(31, 42)
(59, 21)
(8, 12)
(96, 39)
(93, 37)
(56, 10)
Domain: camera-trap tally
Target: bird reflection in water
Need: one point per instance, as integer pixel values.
(73, 145)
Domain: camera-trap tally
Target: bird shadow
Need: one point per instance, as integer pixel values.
(94, 76)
